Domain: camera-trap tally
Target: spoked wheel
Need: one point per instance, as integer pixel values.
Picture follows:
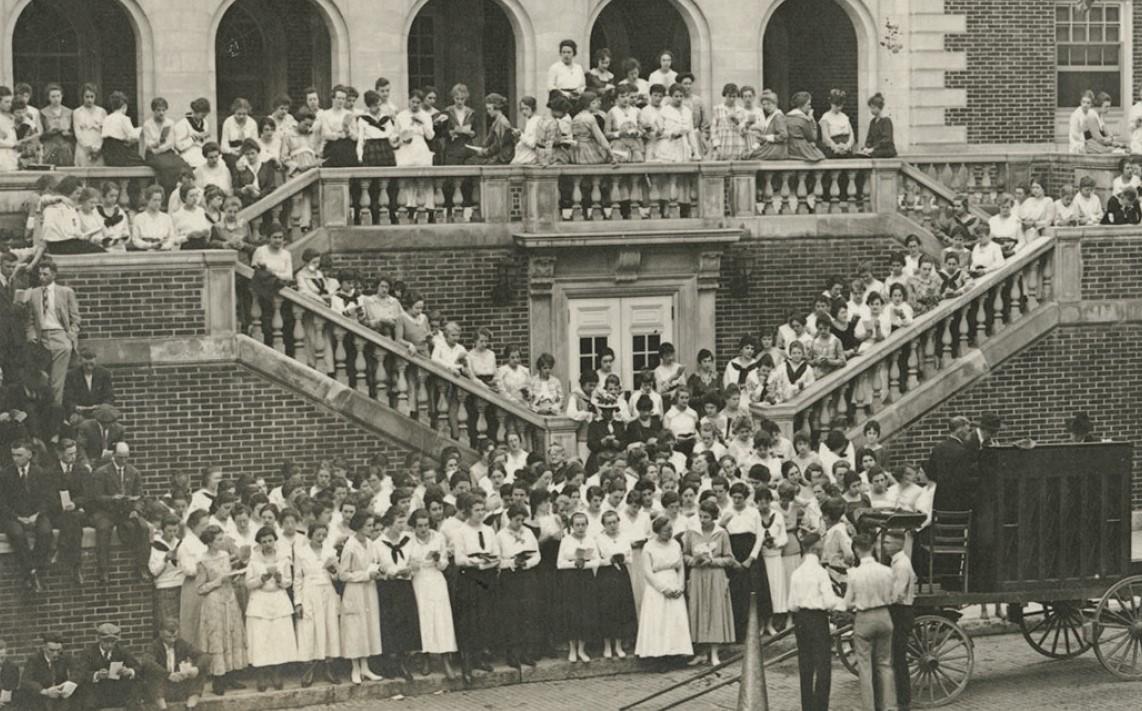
(1117, 629)
(940, 661)
(1058, 630)
(845, 651)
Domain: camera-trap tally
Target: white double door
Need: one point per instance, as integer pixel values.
(632, 327)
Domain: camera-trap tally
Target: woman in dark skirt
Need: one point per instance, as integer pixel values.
(547, 525)
(578, 561)
(120, 137)
(474, 605)
(617, 617)
(158, 142)
(519, 588)
(400, 620)
(376, 131)
(743, 522)
(336, 130)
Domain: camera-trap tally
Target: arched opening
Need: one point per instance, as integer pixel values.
(265, 48)
(812, 45)
(641, 29)
(469, 42)
(48, 47)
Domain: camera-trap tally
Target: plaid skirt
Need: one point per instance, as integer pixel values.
(378, 152)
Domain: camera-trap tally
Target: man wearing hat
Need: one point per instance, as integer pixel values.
(116, 488)
(108, 674)
(811, 599)
(604, 434)
(86, 387)
(1081, 428)
(101, 432)
(985, 431)
(175, 669)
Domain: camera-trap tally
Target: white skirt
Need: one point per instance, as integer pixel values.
(778, 590)
(319, 629)
(663, 624)
(434, 608)
(270, 642)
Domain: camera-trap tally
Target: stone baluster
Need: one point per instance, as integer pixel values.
(835, 203)
(913, 364)
(946, 341)
(988, 191)
(381, 376)
(340, 369)
(476, 211)
(423, 408)
(948, 176)
(894, 376)
(481, 419)
(459, 415)
(981, 319)
(672, 194)
(862, 395)
(360, 367)
(1015, 308)
(965, 330)
(928, 362)
(425, 200)
(856, 199)
(781, 199)
(1047, 277)
(442, 407)
(576, 198)
(638, 204)
(440, 212)
(276, 325)
(401, 385)
(299, 342)
(596, 197)
(383, 201)
(255, 312)
(764, 192)
(1031, 285)
(405, 203)
(819, 203)
(362, 212)
(998, 320)
(458, 207)
(800, 205)
(878, 388)
(620, 193)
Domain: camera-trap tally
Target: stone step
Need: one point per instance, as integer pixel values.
(940, 59)
(939, 22)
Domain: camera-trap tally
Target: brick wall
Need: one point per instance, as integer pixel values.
(1060, 367)
(1110, 268)
(785, 275)
(459, 284)
(1010, 78)
(133, 304)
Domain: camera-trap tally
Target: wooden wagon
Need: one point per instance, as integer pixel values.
(1050, 536)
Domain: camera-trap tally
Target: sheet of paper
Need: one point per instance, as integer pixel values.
(5, 696)
(114, 670)
(67, 688)
(65, 498)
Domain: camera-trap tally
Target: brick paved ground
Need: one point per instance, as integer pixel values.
(1008, 676)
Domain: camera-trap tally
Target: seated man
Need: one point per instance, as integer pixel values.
(9, 675)
(45, 684)
(108, 675)
(28, 494)
(86, 387)
(116, 489)
(27, 410)
(100, 433)
(175, 669)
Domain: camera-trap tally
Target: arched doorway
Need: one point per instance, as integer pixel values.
(812, 45)
(263, 49)
(470, 42)
(641, 29)
(48, 47)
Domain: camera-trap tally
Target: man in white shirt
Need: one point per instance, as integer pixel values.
(811, 598)
(870, 592)
(1087, 204)
(567, 76)
(450, 353)
(276, 259)
(903, 596)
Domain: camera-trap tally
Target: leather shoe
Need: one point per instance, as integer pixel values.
(404, 672)
(218, 687)
(514, 663)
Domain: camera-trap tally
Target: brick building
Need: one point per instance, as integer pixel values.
(954, 71)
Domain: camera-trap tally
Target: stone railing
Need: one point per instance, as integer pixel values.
(296, 205)
(915, 354)
(829, 187)
(458, 408)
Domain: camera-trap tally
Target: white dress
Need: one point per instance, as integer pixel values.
(416, 151)
(437, 635)
(270, 637)
(774, 569)
(663, 624)
(319, 627)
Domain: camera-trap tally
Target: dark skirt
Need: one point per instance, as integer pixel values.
(743, 582)
(580, 603)
(550, 590)
(400, 621)
(378, 152)
(518, 599)
(116, 153)
(617, 618)
(341, 153)
(167, 166)
(474, 609)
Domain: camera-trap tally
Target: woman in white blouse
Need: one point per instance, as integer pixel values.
(519, 588)
(743, 522)
(428, 553)
(189, 553)
(120, 137)
(236, 129)
(528, 137)
(1006, 227)
(158, 145)
(192, 227)
(87, 126)
(317, 605)
(578, 561)
(191, 133)
(986, 255)
(618, 618)
(270, 635)
(1037, 212)
(153, 229)
(837, 135)
(664, 75)
(477, 554)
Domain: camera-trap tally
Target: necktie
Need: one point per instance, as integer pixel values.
(480, 534)
(46, 295)
(397, 549)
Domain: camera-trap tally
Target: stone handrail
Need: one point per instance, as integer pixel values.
(296, 204)
(887, 371)
(380, 367)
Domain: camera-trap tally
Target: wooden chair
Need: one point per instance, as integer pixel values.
(949, 537)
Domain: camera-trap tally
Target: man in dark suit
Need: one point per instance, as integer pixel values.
(53, 323)
(86, 387)
(27, 410)
(605, 434)
(11, 317)
(42, 684)
(952, 465)
(28, 494)
(174, 670)
(983, 435)
(99, 434)
(116, 489)
(74, 477)
(108, 674)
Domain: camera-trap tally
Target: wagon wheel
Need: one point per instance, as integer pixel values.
(940, 661)
(1117, 629)
(1058, 630)
(844, 648)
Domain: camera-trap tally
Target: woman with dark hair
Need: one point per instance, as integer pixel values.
(57, 138)
(767, 129)
(545, 392)
(837, 135)
(590, 146)
(520, 614)
(269, 612)
(221, 633)
(499, 142)
(399, 618)
(879, 142)
(428, 556)
(708, 555)
(120, 137)
(601, 80)
(802, 129)
(1098, 140)
(317, 605)
(360, 613)
(664, 626)
(477, 555)
(566, 77)
(158, 143)
(844, 326)
(191, 133)
(704, 381)
(743, 524)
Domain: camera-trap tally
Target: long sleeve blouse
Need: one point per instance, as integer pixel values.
(572, 549)
(745, 520)
(470, 540)
(512, 543)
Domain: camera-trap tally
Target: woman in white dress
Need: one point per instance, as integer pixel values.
(774, 539)
(360, 609)
(428, 554)
(414, 128)
(664, 625)
(269, 615)
(317, 605)
(190, 550)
